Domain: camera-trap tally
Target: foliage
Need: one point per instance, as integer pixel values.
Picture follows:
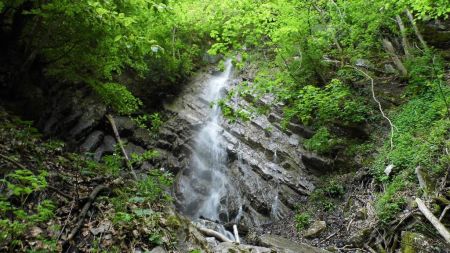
(321, 106)
(334, 189)
(136, 208)
(118, 97)
(15, 217)
(146, 156)
(302, 221)
(322, 141)
(156, 122)
(392, 201)
(420, 139)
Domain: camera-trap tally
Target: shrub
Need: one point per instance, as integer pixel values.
(322, 141)
(302, 221)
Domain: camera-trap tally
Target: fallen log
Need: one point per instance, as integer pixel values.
(443, 231)
(83, 212)
(215, 234)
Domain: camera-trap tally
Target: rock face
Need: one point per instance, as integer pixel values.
(266, 164)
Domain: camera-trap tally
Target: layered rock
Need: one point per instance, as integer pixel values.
(266, 163)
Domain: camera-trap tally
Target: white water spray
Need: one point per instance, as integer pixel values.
(205, 182)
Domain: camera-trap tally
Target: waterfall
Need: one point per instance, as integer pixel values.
(205, 182)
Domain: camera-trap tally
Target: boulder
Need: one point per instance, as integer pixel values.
(92, 141)
(315, 229)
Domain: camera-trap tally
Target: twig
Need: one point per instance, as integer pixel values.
(13, 162)
(83, 212)
(443, 231)
(67, 220)
(119, 141)
(443, 212)
(379, 104)
(328, 237)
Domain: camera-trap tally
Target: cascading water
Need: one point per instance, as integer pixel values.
(204, 184)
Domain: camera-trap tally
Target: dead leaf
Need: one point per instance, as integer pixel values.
(36, 231)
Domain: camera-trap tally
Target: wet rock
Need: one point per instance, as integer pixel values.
(316, 164)
(131, 148)
(164, 144)
(300, 130)
(141, 137)
(284, 245)
(229, 247)
(107, 147)
(92, 141)
(124, 125)
(315, 229)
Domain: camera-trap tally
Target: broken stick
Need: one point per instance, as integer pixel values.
(215, 234)
(119, 141)
(443, 231)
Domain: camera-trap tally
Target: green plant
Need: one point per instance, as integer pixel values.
(322, 141)
(334, 189)
(391, 201)
(302, 221)
(334, 103)
(118, 97)
(15, 220)
(22, 183)
(156, 122)
(146, 156)
(156, 239)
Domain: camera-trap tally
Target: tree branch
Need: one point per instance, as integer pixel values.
(443, 231)
(119, 141)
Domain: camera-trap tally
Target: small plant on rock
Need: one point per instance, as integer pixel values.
(302, 221)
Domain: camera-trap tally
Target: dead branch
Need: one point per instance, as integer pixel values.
(83, 212)
(443, 212)
(422, 182)
(416, 30)
(119, 141)
(378, 102)
(13, 162)
(398, 63)
(443, 231)
(236, 233)
(215, 234)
